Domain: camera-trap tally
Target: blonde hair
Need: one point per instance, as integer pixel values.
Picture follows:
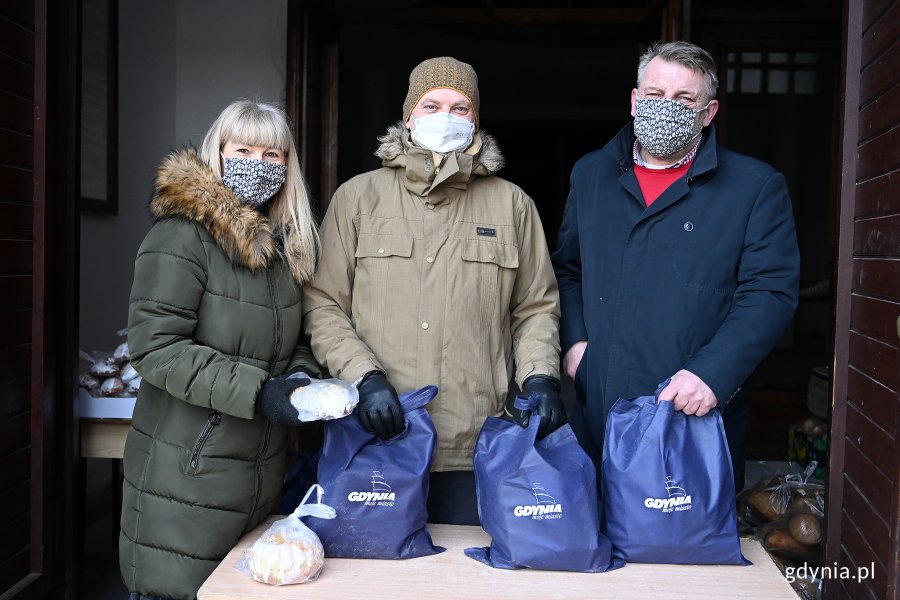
(258, 124)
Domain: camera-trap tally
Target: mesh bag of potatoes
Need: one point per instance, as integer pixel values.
(288, 551)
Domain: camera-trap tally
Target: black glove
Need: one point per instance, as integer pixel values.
(274, 399)
(550, 408)
(379, 409)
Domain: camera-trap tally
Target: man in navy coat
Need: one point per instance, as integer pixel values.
(677, 258)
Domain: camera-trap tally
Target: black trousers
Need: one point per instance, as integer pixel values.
(452, 499)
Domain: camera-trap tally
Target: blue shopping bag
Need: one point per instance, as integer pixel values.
(537, 499)
(378, 488)
(667, 483)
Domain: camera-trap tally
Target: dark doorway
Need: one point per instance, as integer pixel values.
(549, 94)
(555, 79)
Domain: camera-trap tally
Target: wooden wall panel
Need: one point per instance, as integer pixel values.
(863, 504)
(863, 474)
(879, 236)
(14, 433)
(21, 12)
(16, 221)
(18, 41)
(878, 76)
(16, 114)
(876, 277)
(873, 399)
(875, 359)
(12, 531)
(17, 255)
(17, 77)
(16, 290)
(16, 149)
(15, 185)
(878, 196)
(15, 397)
(882, 34)
(881, 154)
(14, 502)
(16, 466)
(875, 318)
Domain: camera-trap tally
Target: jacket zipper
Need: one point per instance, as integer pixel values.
(277, 312)
(262, 452)
(215, 417)
(259, 459)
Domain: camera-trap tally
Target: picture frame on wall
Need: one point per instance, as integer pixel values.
(99, 106)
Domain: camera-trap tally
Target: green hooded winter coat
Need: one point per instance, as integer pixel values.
(214, 312)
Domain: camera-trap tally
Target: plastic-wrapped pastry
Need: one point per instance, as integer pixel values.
(122, 354)
(132, 387)
(112, 386)
(128, 373)
(89, 382)
(105, 367)
(323, 399)
(288, 551)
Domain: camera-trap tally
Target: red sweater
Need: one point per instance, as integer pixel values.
(654, 182)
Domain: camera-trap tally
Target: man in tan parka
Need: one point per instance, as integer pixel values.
(435, 271)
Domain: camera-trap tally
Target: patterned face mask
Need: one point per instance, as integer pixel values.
(665, 127)
(253, 180)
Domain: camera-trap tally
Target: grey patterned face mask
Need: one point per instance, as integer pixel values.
(253, 180)
(665, 127)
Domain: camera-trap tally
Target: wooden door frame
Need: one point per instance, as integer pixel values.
(55, 502)
(849, 119)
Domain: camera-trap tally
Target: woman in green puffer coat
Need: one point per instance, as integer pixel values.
(214, 330)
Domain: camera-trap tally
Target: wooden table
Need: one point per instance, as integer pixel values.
(103, 438)
(454, 576)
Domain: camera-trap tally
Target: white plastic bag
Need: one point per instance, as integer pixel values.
(323, 399)
(288, 551)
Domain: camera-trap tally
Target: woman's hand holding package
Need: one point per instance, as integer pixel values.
(274, 399)
(379, 409)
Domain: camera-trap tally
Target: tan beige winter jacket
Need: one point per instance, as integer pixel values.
(436, 275)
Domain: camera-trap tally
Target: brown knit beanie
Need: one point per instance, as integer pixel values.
(441, 72)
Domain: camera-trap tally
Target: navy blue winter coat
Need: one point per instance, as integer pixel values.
(705, 279)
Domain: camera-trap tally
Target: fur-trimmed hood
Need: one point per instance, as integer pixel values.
(187, 188)
(395, 143)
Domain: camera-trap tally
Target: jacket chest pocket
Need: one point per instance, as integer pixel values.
(704, 259)
(382, 266)
(491, 266)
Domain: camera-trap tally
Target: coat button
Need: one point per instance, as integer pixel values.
(688, 226)
(429, 259)
(424, 325)
(491, 256)
(430, 206)
(381, 251)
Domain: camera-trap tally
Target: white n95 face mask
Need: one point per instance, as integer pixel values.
(442, 132)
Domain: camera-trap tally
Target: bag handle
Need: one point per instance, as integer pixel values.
(660, 388)
(417, 399)
(322, 511)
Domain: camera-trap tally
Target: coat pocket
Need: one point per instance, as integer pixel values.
(383, 268)
(502, 255)
(215, 417)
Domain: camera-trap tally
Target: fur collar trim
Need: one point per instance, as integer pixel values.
(187, 188)
(392, 146)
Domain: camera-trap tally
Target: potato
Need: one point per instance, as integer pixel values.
(766, 503)
(781, 539)
(806, 529)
